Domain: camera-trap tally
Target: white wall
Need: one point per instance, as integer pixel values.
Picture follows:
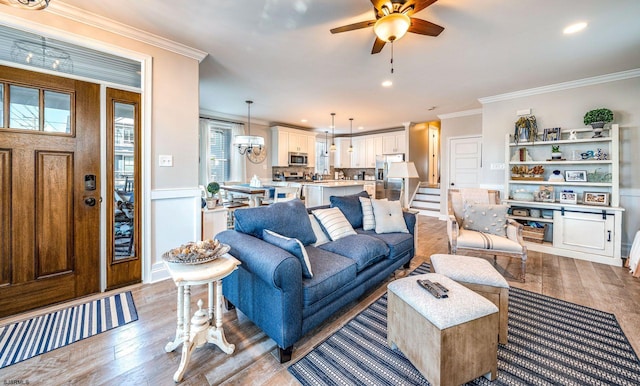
(566, 109)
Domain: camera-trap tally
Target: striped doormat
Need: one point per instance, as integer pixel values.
(29, 338)
(551, 342)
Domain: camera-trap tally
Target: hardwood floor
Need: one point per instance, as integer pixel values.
(134, 354)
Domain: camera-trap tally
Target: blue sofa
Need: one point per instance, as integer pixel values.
(269, 287)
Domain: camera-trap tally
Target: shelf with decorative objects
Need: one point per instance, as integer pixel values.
(579, 190)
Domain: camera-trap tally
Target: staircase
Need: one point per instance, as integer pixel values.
(427, 200)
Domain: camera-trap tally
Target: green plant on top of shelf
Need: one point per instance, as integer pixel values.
(555, 148)
(598, 115)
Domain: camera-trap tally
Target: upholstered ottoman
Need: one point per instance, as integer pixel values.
(478, 275)
(450, 340)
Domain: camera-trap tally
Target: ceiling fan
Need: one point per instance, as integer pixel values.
(393, 20)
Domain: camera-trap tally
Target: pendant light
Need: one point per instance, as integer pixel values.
(326, 144)
(248, 144)
(350, 135)
(333, 134)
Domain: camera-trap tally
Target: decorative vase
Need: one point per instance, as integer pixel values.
(556, 155)
(212, 203)
(597, 129)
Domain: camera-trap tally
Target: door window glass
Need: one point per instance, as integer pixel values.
(24, 108)
(57, 112)
(1, 105)
(124, 171)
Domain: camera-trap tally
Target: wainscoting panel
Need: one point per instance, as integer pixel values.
(630, 201)
(175, 220)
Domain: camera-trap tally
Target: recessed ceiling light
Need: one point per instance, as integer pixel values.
(360, 128)
(387, 83)
(303, 120)
(573, 28)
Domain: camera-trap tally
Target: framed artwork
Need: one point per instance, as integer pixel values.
(596, 198)
(568, 198)
(575, 175)
(552, 134)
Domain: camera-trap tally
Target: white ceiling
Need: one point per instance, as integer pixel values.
(280, 54)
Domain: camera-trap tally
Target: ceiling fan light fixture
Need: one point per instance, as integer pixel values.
(392, 27)
(34, 5)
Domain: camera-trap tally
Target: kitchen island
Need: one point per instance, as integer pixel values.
(318, 193)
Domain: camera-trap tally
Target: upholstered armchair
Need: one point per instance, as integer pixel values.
(477, 228)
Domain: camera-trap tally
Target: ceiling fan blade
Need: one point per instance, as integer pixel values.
(354, 26)
(418, 5)
(423, 27)
(377, 46)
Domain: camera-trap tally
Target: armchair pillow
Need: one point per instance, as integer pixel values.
(350, 207)
(277, 217)
(334, 222)
(485, 218)
(291, 245)
(389, 217)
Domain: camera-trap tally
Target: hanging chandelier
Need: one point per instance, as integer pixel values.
(34, 5)
(249, 144)
(350, 135)
(41, 55)
(333, 133)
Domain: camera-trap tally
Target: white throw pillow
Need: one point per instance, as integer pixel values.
(368, 219)
(389, 217)
(334, 222)
(321, 237)
(485, 218)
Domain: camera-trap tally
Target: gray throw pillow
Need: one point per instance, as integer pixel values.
(485, 218)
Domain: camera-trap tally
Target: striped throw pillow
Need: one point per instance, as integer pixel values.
(368, 219)
(334, 222)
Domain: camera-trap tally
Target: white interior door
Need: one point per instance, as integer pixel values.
(465, 162)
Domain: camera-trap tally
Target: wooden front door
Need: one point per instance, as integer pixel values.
(49, 192)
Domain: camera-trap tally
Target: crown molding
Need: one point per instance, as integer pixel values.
(563, 86)
(459, 114)
(88, 18)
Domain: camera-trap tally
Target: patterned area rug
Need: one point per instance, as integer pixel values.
(28, 338)
(550, 342)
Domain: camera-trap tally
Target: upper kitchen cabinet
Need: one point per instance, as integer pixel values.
(394, 143)
(285, 140)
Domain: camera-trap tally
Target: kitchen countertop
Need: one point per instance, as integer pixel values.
(334, 183)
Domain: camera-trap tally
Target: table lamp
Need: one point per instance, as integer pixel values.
(402, 170)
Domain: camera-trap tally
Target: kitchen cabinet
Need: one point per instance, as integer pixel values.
(373, 148)
(285, 140)
(358, 157)
(342, 156)
(394, 143)
(579, 228)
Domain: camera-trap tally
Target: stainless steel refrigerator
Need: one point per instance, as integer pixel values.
(387, 187)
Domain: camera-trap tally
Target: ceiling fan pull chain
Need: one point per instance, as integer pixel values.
(392, 56)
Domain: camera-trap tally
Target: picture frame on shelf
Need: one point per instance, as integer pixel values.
(551, 134)
(575, 175)
(568, 198)
(596, 198)
(545, 194)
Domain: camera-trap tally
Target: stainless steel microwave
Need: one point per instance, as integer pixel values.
(298, 159)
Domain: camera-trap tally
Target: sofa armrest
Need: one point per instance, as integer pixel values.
(514, 231)
(271, 264)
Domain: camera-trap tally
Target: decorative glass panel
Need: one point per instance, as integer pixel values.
(123, 171)
(24, 108)
(57, 112)
(1, 105)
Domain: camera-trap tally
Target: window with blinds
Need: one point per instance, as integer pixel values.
(218, 146)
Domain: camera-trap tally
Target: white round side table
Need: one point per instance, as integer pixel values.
(202, 328)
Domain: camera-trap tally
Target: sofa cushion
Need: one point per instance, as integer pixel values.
(330, 273)
(364, 250)
(398, 243)
(291, 245)
(334, 222)
(278, 218)
(389, 217)
(350, 206)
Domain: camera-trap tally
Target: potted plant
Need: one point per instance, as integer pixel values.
(597, 119)
(555, 152)
(212, 188)
(526, 129)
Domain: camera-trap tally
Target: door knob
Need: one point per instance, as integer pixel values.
(453, 184)
(90, 201)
